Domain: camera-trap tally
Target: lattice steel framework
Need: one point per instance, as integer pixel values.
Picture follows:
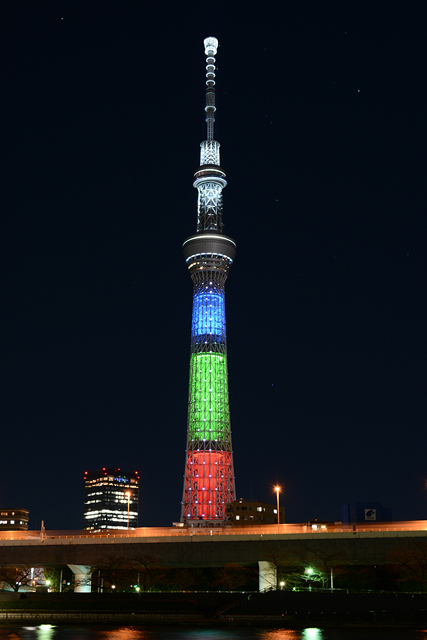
(209, 475)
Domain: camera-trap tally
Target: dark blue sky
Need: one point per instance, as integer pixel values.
(321, 119)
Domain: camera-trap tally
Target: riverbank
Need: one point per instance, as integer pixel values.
(275, 608)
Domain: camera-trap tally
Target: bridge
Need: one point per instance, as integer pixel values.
(193, 547)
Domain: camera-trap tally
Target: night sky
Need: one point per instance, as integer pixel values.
(321, 120)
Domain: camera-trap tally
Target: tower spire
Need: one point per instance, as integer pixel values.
(210, 178)
(209, 254)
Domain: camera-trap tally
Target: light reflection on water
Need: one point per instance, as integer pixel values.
(45, 632)
(284, 634)
(93, 632)
(312, 633)
(124, 633)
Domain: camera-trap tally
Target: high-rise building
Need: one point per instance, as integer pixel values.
(111, 499)
(209, 254)
(14, 519)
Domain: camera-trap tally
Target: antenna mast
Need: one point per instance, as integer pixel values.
(211, 47)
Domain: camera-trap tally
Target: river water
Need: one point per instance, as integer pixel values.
(63, 632)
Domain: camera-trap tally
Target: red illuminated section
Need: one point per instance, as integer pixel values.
(208, 485)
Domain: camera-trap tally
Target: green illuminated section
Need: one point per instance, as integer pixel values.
(209, 417)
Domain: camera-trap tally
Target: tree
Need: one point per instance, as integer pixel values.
(52, 577)
(20, 576)
(122, 573)
(113, 572)
(149, 570)
(277, 561)
(313, 575)
(231, 576)
(184, 579)
(309, 566)
(411, 558)
(325, 564)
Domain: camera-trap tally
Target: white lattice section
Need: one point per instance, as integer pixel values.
(209, 152)
(209, 204)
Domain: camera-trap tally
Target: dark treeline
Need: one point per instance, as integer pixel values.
(308, 569)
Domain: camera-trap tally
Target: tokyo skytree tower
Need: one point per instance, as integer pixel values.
(209, 254)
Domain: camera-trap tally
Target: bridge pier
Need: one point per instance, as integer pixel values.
(267, 575)
(82, 581)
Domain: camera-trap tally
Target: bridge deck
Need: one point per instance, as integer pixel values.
(209, 548)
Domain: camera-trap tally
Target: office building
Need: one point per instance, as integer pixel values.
(14, 519)
(111, 499)
(242, 513)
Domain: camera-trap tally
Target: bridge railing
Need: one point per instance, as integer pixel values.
(282, 529)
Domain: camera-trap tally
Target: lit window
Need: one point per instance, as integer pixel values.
(237, 517)
(12, 522)
(259, 508)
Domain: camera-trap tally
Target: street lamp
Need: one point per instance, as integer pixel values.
(277, 490)
(127, 494)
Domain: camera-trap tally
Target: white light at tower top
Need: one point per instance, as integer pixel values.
(211, 46)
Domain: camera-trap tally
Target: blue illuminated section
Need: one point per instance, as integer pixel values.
(208, 314)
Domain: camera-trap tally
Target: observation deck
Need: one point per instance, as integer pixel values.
(209, 250)
(209, 173)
